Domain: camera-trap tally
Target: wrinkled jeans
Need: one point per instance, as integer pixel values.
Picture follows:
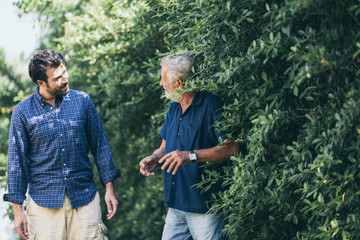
(180, 225)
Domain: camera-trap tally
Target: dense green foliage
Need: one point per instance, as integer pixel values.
(14, 88)
(288, 72)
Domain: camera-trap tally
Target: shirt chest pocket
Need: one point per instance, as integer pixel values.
(42, 129)
(190, 135)
(76, 131)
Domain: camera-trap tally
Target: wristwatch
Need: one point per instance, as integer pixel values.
(192, 156)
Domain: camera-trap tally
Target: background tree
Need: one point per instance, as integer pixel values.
(13, 89)
(288, 72)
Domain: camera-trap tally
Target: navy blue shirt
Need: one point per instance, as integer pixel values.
(48, 151)
(194, 129)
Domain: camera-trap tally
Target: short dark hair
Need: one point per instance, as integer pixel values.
(41, 61)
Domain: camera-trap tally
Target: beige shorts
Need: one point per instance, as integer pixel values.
(66, 223)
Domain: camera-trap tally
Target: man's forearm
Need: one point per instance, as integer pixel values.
(173, 160)
(109, 186)
(217, 153)
(17, 208)
(156, 156)
(159, 153)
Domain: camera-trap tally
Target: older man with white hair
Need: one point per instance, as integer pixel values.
(189, 140)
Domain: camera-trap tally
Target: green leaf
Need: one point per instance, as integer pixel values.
(295, 91)
(264, 76)
(337, 116)
(228, 5)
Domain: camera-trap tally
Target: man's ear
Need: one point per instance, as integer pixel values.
(179, 82)
(40, 83)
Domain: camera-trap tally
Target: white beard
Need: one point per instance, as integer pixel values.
(173, 95)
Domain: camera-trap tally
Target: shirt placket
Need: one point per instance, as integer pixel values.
(179, 122)
(62, 140)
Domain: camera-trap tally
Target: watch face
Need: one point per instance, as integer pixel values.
(192, 156)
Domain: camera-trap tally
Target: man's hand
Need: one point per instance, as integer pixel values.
(148, 165)
(20, 223)
(174, 160)
(111, 200)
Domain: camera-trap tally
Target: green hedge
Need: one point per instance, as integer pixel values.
(288, 72)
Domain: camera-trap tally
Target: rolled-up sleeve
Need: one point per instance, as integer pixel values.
(99, 145)
(17, 167)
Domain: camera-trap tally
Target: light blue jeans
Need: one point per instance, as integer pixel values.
(181, 225)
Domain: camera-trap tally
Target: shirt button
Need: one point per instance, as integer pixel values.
(178, 134)
(61, 134)
(173, 183)
(63, 150)
(58, 120)
(64, 164)
(180, 119)
(51, 108)
(64, 178)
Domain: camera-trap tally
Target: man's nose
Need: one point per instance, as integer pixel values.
(64, 78)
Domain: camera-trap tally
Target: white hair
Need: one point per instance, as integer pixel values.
(179, 67)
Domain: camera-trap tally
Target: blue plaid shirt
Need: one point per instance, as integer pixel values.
(48, 151)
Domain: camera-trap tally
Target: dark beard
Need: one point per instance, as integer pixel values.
(56, 92)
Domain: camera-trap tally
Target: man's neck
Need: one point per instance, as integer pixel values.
(186, 99)
(46, 96)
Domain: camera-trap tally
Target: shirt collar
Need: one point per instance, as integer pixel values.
(38, 96)
(197, 99)
(42, 101)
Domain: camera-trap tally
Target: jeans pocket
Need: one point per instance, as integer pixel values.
(33, 237)
(102, 230)
(28, 205)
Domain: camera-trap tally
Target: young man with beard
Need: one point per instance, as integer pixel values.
(51, 133)
(189, 140)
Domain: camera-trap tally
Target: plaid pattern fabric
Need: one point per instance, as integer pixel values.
(48, 151)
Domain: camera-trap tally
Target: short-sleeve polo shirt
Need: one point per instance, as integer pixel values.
(192, 130)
